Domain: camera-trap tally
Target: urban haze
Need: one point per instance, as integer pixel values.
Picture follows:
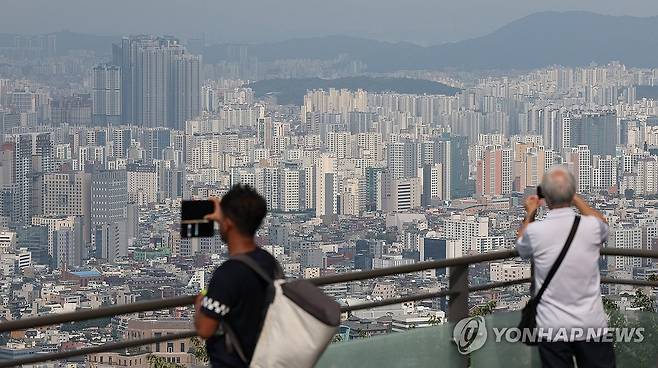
(381, 134)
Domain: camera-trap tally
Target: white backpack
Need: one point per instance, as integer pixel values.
(298, 325)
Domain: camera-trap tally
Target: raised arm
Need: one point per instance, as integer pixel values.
(531, 205)
(586, 210)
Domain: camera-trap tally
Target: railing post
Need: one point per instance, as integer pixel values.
(458, 302)
(458, 299)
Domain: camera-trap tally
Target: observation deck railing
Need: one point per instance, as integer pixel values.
(457, 293)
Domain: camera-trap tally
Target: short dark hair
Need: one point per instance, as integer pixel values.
(245, 207)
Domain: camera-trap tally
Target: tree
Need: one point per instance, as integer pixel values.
(616, 318)
(643, 301)
(484, 309)
(160, 362)
(199, 350)
(641, 354)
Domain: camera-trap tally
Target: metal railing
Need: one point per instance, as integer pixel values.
(457, 293)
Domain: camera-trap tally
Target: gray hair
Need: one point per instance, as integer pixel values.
(558, 187)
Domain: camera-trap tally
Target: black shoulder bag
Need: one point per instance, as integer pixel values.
(529, 312)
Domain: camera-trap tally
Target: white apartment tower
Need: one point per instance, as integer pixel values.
(326, 185)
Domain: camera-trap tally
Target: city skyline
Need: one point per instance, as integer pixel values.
(368, 155)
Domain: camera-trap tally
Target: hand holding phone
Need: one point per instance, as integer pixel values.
(194, 223)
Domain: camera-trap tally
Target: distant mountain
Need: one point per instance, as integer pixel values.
(541, 39)
(102, 45)
(292, 91)
(569, 38)
(68, 41)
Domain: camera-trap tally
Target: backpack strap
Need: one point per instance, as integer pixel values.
(231, 338)
(249, 262)
(232, 342)
(559, 259)
(254, 266)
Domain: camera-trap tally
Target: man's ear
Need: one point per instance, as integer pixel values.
(228, 224)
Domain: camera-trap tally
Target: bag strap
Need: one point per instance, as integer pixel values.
(249, 262)
(559, 259)
(231, 338)
(232, 343)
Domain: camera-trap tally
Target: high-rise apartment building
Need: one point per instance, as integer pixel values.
(292, 189)
(494, 171)
(445, 154)
(65, 239)
(110, 241)
(25, 157)
(401, 194)
(326, 186)
(160, 82)
(121, 139)
(467, 229)
(106, 94)
(599, 130)
(625, 236)
(109, 213)
(68, 194)
(187, 89)
(142, 184)
(109, 196)
(432, 184)
(155, 141)
(267, 183)
(579, 160)
(604, 172)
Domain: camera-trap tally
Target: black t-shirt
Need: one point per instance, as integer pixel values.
(236, 294)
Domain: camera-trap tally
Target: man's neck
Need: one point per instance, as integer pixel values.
(558, 207)
(241, 245)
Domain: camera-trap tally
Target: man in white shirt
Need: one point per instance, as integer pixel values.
(572, 300)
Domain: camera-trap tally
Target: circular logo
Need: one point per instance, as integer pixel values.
(470, 334)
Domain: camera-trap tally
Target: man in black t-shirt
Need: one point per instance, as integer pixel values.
(236, 295)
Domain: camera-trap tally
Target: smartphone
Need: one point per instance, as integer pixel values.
(192, 223)
(539, 192)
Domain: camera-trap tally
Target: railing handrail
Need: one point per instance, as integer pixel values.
(119, 345)
(416, 267)
(348, 308)
(181, 301)
(158, 304)
(109, 311)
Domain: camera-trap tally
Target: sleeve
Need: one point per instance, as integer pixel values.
(603, 231)
(524, 245)
(221, 293)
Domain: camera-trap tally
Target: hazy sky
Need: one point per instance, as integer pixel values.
(420, 21)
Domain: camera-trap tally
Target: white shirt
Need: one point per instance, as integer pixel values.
(573, 298)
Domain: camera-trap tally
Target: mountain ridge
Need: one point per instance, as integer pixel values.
(571, 38)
